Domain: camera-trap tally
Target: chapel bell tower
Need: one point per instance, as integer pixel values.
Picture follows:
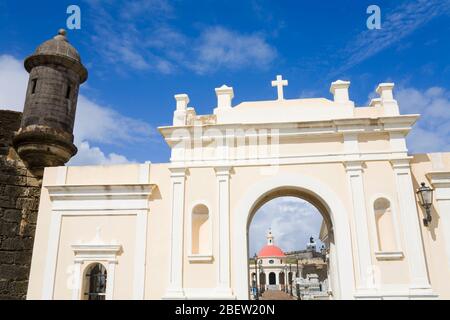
(45, 137)
(270, 238)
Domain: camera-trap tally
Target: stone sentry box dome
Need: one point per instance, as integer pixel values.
(45, 137)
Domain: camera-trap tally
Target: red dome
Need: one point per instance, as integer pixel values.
(271, 251)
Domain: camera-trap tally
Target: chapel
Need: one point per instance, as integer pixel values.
(301, 273)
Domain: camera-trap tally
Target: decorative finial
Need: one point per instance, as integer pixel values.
(61, 35)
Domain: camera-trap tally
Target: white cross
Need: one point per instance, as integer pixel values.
(280, 83)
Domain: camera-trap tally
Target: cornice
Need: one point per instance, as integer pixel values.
(100, 191)
(100, 197)
(401, 124)
(439, 179)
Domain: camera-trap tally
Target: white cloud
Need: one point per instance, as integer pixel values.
(218, 48)
(395, 25)
(13, 83)
(116, 43)
(432, 132)
(94, 122)
(141, 38)
(101, 124)
(95, 156)
(292, 221)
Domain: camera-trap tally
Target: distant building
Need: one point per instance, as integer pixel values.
(273, 269)
(311, 261)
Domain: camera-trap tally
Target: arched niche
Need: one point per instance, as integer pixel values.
(200, 234)
(387, 240)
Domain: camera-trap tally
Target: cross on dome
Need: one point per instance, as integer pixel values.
(280, 83)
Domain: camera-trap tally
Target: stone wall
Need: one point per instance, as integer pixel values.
(19, 201)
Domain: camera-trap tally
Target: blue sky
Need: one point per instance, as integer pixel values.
(292, 222)
(140, 53)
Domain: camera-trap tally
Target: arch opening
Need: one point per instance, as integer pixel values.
(302, 270)
(340, 252)
(95, 277)
(272, 279)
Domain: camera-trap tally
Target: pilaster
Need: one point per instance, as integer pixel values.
(177, 181)
(411, 228)
(223, 210)
(354, 170)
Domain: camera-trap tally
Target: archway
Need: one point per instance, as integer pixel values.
(334, 214)
(95, 277)
(272, 278)
(285, 234)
